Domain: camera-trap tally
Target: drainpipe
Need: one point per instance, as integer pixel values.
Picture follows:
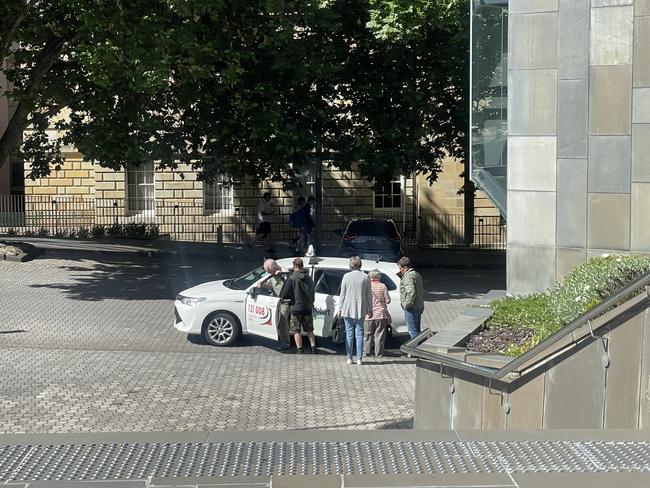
(403, 199)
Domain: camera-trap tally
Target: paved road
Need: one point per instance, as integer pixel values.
(87, 346)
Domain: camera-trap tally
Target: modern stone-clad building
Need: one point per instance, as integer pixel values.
(576, 98)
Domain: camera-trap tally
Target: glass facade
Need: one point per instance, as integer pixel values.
(489, 98)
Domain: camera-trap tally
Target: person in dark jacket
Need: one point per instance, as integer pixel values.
(299, 290)
(302, 220)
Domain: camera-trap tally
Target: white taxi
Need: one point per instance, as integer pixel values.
(221, 311)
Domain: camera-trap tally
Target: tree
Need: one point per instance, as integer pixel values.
(251, 88)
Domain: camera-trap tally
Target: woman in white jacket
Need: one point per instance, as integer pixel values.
(355, 304)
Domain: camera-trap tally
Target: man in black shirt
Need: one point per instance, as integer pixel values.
(299, 290)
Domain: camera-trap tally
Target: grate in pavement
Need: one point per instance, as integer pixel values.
(110, 461)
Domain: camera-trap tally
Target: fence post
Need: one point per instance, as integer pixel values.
(175, 220)
(55, 216)
(238, 223)
(115, 212)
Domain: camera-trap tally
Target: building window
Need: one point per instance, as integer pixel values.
(389, 196)
(17, 177)
(140, 189)
(217, 196)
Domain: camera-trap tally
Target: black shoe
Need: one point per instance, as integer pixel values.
(314, 350)
(299, 350)
(283, 349)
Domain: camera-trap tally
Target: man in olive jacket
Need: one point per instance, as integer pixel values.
(299, 291)
(411, 294)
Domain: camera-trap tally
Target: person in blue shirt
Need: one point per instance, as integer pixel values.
(303, 221)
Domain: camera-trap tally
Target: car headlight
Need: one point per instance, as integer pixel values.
(190, 301)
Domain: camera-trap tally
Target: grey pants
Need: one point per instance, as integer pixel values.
(283, 325)
(374, 335)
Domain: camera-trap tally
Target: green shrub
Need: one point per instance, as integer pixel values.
(530, 311)
(135, 230)
(115, 230)
(61, 234)
(43, 232)
(83, 233)
(12, 232)
(98, 231)
(152, 231)
(30, 233)
(582, 289)
(591, 282)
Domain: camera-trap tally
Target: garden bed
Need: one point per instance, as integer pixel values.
(17, 252)
(519, 323)
(114, 231)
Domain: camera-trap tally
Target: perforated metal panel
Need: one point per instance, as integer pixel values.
(111, 461)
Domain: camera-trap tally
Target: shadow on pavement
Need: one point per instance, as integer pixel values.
(125, 276)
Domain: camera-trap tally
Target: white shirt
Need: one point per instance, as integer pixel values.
(264, 211)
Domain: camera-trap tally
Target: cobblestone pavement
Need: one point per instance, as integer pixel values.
(87, 345)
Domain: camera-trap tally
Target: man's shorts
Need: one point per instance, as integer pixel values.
(306, 322)
(264, 229)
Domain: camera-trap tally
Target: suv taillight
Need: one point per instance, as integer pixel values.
(349, 238)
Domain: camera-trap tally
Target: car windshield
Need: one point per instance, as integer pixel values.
(247, 280)
(372, 228)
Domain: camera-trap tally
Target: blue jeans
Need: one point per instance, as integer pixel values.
(412, 318)
(353, 329)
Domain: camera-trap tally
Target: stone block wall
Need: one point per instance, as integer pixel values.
(578, 132)
(180, 208)
(440, 199)
(76, 178)
(64, 199)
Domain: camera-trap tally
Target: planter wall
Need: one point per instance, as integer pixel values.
(585, 382)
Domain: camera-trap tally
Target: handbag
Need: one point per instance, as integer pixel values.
(338, 334)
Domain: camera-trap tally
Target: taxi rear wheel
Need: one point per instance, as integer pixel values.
(221, 329)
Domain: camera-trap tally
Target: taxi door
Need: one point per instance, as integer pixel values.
(262, 311)
(328, 287)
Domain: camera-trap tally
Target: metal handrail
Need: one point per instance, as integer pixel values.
(411, 347)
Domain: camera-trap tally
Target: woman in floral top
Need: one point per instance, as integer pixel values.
(375, 327)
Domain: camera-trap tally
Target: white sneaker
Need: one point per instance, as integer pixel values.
(359, 361)
(349, 361)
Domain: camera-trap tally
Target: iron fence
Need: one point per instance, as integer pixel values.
(189, 220)
(448, 230)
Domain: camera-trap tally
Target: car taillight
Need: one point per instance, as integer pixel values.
(349, 238)
(395, 239)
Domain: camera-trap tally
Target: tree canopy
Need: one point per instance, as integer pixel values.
(249, 88)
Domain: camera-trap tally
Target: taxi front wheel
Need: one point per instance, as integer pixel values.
(221, 329)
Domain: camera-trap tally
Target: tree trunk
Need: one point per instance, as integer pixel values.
(13, 135)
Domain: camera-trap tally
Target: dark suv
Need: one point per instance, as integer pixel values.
(372, 239)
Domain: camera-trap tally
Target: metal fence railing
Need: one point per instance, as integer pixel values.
(448, 230)
(188, 220)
